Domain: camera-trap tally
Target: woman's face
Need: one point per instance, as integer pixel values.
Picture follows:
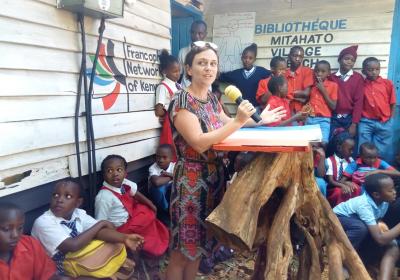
(204, 68)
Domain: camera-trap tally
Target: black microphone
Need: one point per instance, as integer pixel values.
(235, 95)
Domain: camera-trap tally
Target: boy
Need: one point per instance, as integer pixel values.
(351, 91)
(300, 79)
(366, 165)
(66, 228)
(323, 98)
(160, 181)
(379, 105)
(21, 256)
(359, 217)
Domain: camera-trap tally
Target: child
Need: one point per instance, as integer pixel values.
(367, 164)
(278, 87)
(217, 92)
(169, 67)
(376, 124)
(359, 217)
(160, 181)
(66, 228)
(127, 209)
(351, 91)
(319, 168)
(322, 99)
(21, 256)
(300, 79)
(278, 68)
(336, 164)
(246, 79)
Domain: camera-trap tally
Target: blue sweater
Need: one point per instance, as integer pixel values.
(248, 86)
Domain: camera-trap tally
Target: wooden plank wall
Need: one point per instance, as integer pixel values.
(39, 67)
(367, 23)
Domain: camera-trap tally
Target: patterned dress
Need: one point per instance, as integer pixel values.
(198, 179)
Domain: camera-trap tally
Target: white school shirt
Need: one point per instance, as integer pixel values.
(162, 94)
(51, 233)
(329, 163)
(108, 207)
(346, 76)
(155, 170)
(185, 82)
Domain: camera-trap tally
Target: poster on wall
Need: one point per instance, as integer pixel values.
(232, 32)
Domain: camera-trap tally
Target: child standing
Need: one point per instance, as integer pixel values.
(278, 87)
(359, 217)
(300, 79)
(127, 209)
(66, 228)
(337, 163)
(21, 256)
(160, 181)
(322, 99)
(379, 105)
(246, 79)
(278, 68)
(351, 92)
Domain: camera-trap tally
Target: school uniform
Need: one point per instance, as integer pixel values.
(29, 261)
(350, 99)
(275, 102)
(357, 214)
(246, 81)
(185, 82)
(300, 79)
(376, 124)
(321, 113)
(262, 89)
(165, 91)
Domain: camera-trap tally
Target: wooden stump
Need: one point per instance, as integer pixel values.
(274, 193)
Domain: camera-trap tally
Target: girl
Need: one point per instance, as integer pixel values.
(278, 68)
(169, 67)
(246, 79)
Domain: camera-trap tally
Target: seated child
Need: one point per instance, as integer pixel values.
(337, 163)
(322, 99)
(319, 168)
(368, 163)
(359, 217)
(278, 87)
(128, 209)
(65, 228)
(278, 68)
(21, 256)
(160, 181)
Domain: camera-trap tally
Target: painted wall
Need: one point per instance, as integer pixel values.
(39, 67)
(323, 28)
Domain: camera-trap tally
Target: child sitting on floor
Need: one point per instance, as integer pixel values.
(160, 181)
(368, 164)
(278, 87)
(336, 164)
(359, 217)
(65, 228)
(21, 256)
(128, 209)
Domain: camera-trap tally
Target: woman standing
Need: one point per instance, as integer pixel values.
(198, 178)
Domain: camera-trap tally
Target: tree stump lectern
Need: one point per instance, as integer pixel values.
(276, 194)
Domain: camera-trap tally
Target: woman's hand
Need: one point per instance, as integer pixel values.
(244, 112)
(270, 116)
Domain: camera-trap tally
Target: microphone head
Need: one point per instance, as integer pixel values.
(232, 92)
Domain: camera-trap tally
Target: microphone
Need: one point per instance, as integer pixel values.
(235, 95)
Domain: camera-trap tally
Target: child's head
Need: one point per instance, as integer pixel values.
(164, 156)
(368, 153)
(380, 187)
(169, 66)
(198, 30)
(114, 168)
(278, 66)
(296, 56)
(371, 68)
(277, 86)
(66, 196)
(347, 58)
(322, 69)
(249, 56)
(11, 226)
